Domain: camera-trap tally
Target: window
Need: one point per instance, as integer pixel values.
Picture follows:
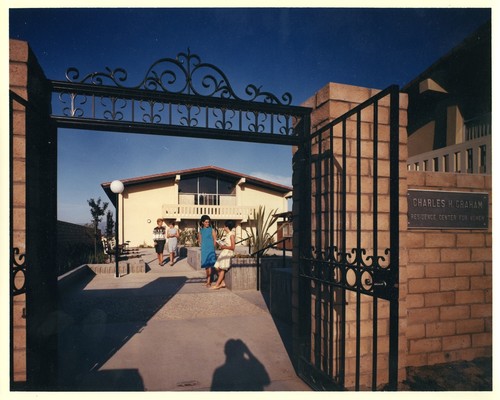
(287, 229)
(206, 189)
(188, 185)
(207, 184)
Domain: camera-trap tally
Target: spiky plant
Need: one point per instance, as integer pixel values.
(260, 229)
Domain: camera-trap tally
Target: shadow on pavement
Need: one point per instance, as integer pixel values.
(94, 324)
(112, 380)
(242, 371)
(284, 327)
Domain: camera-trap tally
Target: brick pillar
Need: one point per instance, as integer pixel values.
(34, 215)
(333, 101)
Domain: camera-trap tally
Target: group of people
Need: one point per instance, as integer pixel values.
(207, 238)
(162, 236)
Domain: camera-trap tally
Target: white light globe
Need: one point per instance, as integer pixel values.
(117, 187)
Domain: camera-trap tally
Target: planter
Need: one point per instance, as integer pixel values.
(243, 272)
(242, 275)
(194, 257)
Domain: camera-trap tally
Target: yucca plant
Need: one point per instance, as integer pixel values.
(260, 229)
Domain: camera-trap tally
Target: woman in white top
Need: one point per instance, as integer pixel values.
(172, 236)
(223, 262)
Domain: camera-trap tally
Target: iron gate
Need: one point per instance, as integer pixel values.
(348, 268)
(340, 272)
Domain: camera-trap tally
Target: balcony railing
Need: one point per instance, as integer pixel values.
(472, 157)
(195, 211)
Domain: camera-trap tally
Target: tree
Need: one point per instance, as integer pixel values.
(97, 211)
(110, 224)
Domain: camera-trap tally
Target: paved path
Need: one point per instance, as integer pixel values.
(164, 331)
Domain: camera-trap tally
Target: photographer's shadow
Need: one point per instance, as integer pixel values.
(241, 371)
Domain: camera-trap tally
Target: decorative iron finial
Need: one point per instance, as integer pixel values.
(184, 74)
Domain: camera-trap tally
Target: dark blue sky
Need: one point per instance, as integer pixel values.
(292, 50)
(295, 50)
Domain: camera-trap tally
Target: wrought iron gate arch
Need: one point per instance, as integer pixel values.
(180, 96)
(167, 101)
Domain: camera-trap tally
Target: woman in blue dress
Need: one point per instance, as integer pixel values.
(207, 238)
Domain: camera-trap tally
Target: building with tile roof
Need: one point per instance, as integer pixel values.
(184, 196)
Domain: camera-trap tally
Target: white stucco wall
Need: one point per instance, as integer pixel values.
(144, 202)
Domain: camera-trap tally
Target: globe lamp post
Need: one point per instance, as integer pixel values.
(117, 188)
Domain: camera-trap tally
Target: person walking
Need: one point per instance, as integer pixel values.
(207, 238)
(172, 236)
(223, 263)
(159, 240)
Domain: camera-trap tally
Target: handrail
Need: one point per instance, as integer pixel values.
(269, 246)
(259, 253)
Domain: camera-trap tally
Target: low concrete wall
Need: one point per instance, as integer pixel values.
(269, 264)
(243, 272)
(137, 266)
(76, 276)
(87, 271)
(242, 275)
(194, 257)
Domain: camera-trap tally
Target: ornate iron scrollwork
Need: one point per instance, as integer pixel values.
(352, 270)
(18, 268)
(181, 92)
(185, 74)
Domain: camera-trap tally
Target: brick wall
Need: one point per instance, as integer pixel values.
(34, 215)
(449, 280)
(75, 244)
(18, 84)
(445, 299)
(68, 233)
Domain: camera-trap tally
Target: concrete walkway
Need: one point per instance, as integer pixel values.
(165, 331)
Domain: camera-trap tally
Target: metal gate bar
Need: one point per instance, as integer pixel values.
(394, 221)
(375, 243)
(343, 248)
